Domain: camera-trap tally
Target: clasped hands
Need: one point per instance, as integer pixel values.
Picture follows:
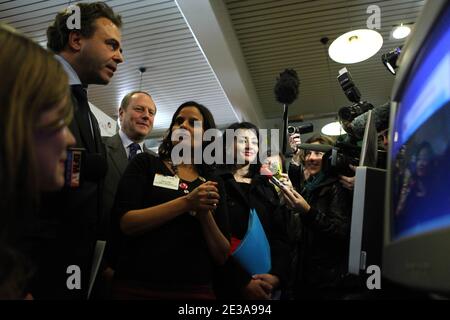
(204, 198)
(261, 287)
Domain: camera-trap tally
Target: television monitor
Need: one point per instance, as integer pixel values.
(417, 209)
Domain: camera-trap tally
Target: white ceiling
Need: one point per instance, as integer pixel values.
(263, 38)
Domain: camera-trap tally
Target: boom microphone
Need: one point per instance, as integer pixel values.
(286, 88)
(381, 117)
(286, 91)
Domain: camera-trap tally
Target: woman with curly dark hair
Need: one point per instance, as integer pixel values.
(172, 221)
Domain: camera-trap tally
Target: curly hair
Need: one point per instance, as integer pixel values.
(165, 148)
(58, 32)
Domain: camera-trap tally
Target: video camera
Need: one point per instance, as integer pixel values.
(337, 160)
(301, 129)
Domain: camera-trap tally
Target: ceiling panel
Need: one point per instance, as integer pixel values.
(279, 34)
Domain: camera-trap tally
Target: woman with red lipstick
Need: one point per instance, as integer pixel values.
(247, 189)
(325, 208)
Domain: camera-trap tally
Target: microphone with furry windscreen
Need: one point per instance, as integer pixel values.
(286, 92)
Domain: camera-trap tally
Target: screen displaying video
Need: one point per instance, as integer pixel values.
(420, 181)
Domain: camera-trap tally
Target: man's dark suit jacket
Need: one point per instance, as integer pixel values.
(117, 162)
(69, 222)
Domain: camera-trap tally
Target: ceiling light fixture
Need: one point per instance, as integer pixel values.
(401, 32)
(333, 129)
(142, 71)
(390, 59)
(355, 46)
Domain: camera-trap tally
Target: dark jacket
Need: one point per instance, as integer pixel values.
(117, 163)
(69, 220)
(232, 278)
(324, 244)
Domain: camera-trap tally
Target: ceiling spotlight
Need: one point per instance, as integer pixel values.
(333, 129)
(355, 46)
(401, 32)
(390, 59)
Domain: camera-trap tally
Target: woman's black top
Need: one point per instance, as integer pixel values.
(174, 254)
(241, 197)
(324, 243)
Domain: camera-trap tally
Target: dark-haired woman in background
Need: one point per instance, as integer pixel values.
(247, 189)
(420, 190)
(173, 222)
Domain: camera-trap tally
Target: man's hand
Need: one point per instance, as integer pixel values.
(294, 141)
(348, 182)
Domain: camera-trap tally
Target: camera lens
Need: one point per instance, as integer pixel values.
(291, 130)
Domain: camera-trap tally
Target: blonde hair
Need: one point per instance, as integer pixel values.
(32, 82)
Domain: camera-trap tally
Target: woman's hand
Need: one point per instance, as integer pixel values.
(274, 281)
(204, 198)
(257, 290)
(284, 179)
(295, 200)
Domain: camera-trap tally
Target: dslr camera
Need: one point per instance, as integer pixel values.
(346, 151)
(348, 113)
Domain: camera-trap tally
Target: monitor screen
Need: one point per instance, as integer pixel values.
(420, 153)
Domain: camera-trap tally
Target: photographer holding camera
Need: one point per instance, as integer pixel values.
(324, 207)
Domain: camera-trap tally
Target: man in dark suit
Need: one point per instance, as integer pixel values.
(62, 244)
(136, 115)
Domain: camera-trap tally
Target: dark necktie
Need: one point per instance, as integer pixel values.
(83, 112)
(134, 148)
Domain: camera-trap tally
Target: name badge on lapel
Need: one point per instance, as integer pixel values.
(167, 182)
